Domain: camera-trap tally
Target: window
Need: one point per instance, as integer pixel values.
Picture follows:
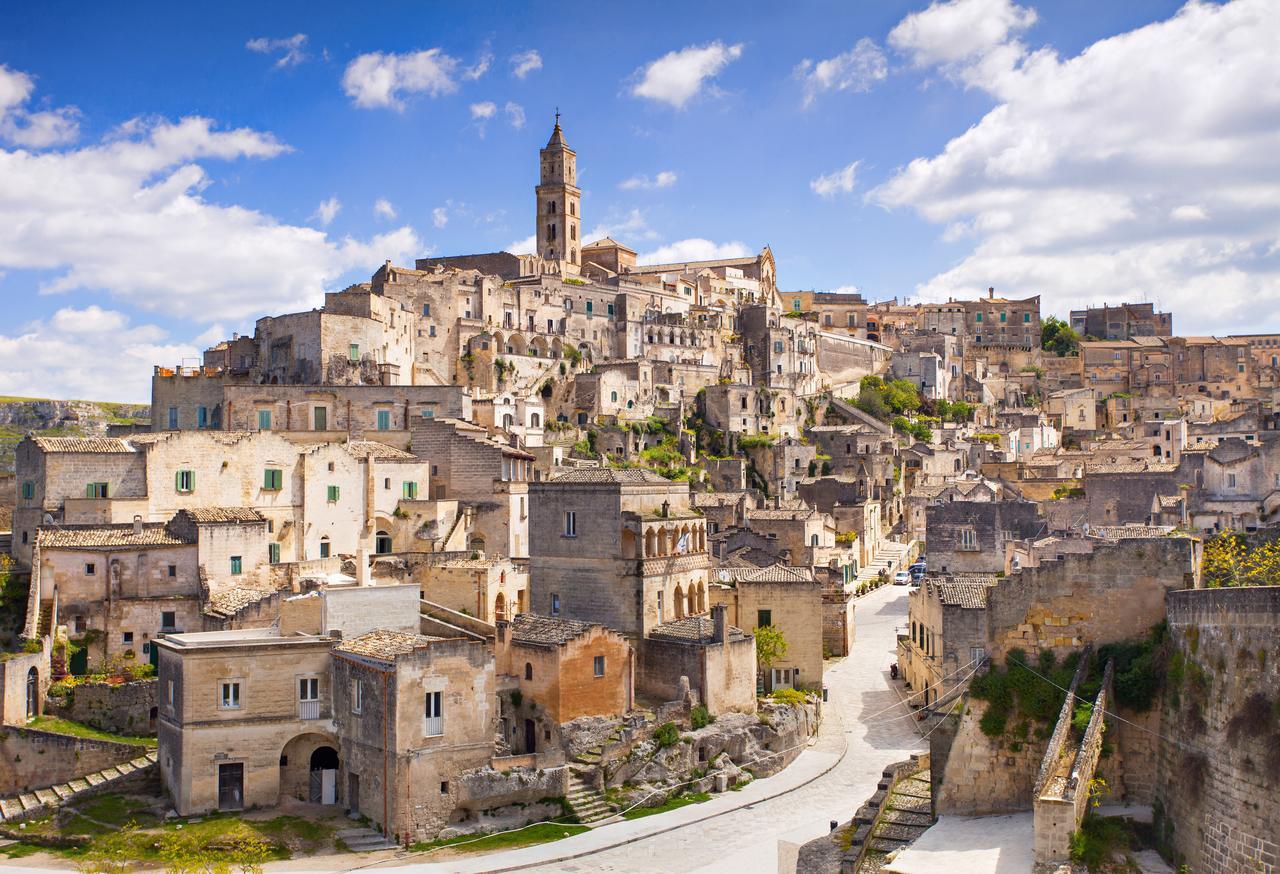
(272, 479)
(1003, 317)
(409, 491)
(173, 570)
(90, 569)
(777, 346)
(186, 481)
(95, 490)
(597, 665)
(273, 553)
(555, 604)
(324, 547)
(353, 352)
(431, 331)
(173, 418)
(386, 483)
(590, 307)
(320, 418)
(613, 396)
(570, 523)
(1026, 318)
(357, 696)
(978, 317)
(1231, 480)
(230, 696)
(444, 787)
(435, 714)
(382, 543)
(969, 540)
(28, 490)
(168, 620)
(264, 420)
(384, 420)
(202, 417)
(764, 618)
(332, 495)
(127, 637)
(426, 309)
(610, 310)
(237, 564)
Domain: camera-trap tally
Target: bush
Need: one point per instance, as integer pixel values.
(789, 696)
(700, 717)
(667, 735)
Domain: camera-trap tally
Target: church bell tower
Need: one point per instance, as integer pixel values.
(559, 216)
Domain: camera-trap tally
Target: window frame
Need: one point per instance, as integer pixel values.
(234, 701)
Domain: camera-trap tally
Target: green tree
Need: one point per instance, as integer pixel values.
(1058, 337)
(770, 646)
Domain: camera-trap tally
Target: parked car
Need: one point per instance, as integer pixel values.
(902, 578)
(918, 571)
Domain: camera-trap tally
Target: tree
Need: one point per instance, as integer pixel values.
(770, 646)
(1059, 337)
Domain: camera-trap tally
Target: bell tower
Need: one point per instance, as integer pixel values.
(559, 216)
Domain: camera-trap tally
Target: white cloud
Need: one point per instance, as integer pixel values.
(483, 111)
(383, 209)
(440, 216)
(32, 130)
(693, 249)
(524, 63)
(1140, 167)
(678, 76)
(957, 30)
(378, 80)
(839, 182)
(858, 69)
(515, 114)
(630, 225)
(291, 49)
(527, 246)
(327, 211)
(664, 179)
(480, 67)
(47, 358)
(126, 218)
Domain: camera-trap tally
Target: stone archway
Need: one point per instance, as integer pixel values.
(307, 754)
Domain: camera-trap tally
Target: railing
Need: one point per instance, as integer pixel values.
(309, 709)
(435, 726)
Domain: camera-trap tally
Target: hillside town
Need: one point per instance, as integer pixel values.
(496, 541)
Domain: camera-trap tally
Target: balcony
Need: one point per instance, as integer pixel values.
(309, 709)
(435, 726)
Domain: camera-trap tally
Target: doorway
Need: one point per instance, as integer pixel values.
(530, 737)
(353, 793)
(33, 693)
(324, 776)
(231, 786)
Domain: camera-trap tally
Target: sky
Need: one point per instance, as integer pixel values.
(169, 173)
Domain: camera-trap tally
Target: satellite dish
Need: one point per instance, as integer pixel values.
(724, 575)
(48, 519)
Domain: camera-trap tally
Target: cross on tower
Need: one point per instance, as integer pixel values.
(557, 116)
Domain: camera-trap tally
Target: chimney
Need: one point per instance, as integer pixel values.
(666, 509)
(362, 567)
(777, 502)
(137, 526)
(720, 621)
(991, 292)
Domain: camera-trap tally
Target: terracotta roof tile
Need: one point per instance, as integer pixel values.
(384, 644)
(108, 537)
(692, 629)
(224, 515)
(374, 449)
(83, 444)
(626, 475)
(547, 630)
(231, 601)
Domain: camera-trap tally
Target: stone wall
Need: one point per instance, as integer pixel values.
(1218, 770)
(128, 708)
(32, 759)
(975, 775)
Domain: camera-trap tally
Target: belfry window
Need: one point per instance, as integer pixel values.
(551, 207)
(551, 232)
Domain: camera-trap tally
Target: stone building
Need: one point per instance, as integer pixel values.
(784, 598)
(947, 639)
(993, 321)
(717, 659)
(969, 536)
(620, 547)
(835, 311)
(490, 589)
(1122, 322)
(564, 669)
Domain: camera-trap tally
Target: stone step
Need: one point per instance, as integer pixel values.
(885, 845)
(126, 768)
(95, 779)
(64, 790)
(46, 796)
(110, 773)
(29, 802)
(10, 807)
(79, 784)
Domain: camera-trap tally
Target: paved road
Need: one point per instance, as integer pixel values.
(827, 782)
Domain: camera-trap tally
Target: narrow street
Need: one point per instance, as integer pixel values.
(752, 830)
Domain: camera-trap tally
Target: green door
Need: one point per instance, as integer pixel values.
(155, 655)
(79, 662)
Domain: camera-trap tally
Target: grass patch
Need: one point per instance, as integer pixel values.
(670, 804)
(19, 851)
(540, 833)
(75, 729)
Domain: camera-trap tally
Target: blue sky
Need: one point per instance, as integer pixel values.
(163, 170)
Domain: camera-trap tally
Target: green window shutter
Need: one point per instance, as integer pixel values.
(90, 491)
(266, 478)
(191, 480)
(333, 493)
(273, 553)
(28, 490)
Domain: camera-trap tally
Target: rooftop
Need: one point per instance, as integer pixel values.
(82, 444)
(692, 629)
(384, 645)
(374, 449)
(547, 630)
(968, 591)
(122, 536)
(224, 515)
(621, 476)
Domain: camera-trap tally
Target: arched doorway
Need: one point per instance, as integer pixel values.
(530, 737)
(500, 608)
(324, 776)
(382, 543)
(33, 693)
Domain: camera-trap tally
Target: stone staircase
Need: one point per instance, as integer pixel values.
(588, 803)
(364, 840)
(595, 755)
(907, 814)
(890, 557)
(30, 803)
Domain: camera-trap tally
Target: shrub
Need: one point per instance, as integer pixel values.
(666, 735)
(789, 696)
(700, 717)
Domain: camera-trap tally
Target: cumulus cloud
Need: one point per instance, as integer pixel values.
(693, 249)
(678, 76)
(47, 358)
(383, 209)
(629, 225)
(440, 216)
(858, 69)
(327, 211)
(126, 217)
(291, 50)
(839, 182)
(382, 80)
(515, 114)
(664, 179)
(958, 30)
(32, 130)
(479, 68)
(483, 111)
(1149, 164)
(524, 63)
(527, 246)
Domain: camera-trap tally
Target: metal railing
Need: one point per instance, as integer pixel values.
(309, 709)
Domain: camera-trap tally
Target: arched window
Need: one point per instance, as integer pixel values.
(613, 396)
(551, 207)
(572, 209)
(324, 546)
(813, 541)
(535, 420)
(573, 231)
(382, 543)
(528, 670)
(551, 231)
